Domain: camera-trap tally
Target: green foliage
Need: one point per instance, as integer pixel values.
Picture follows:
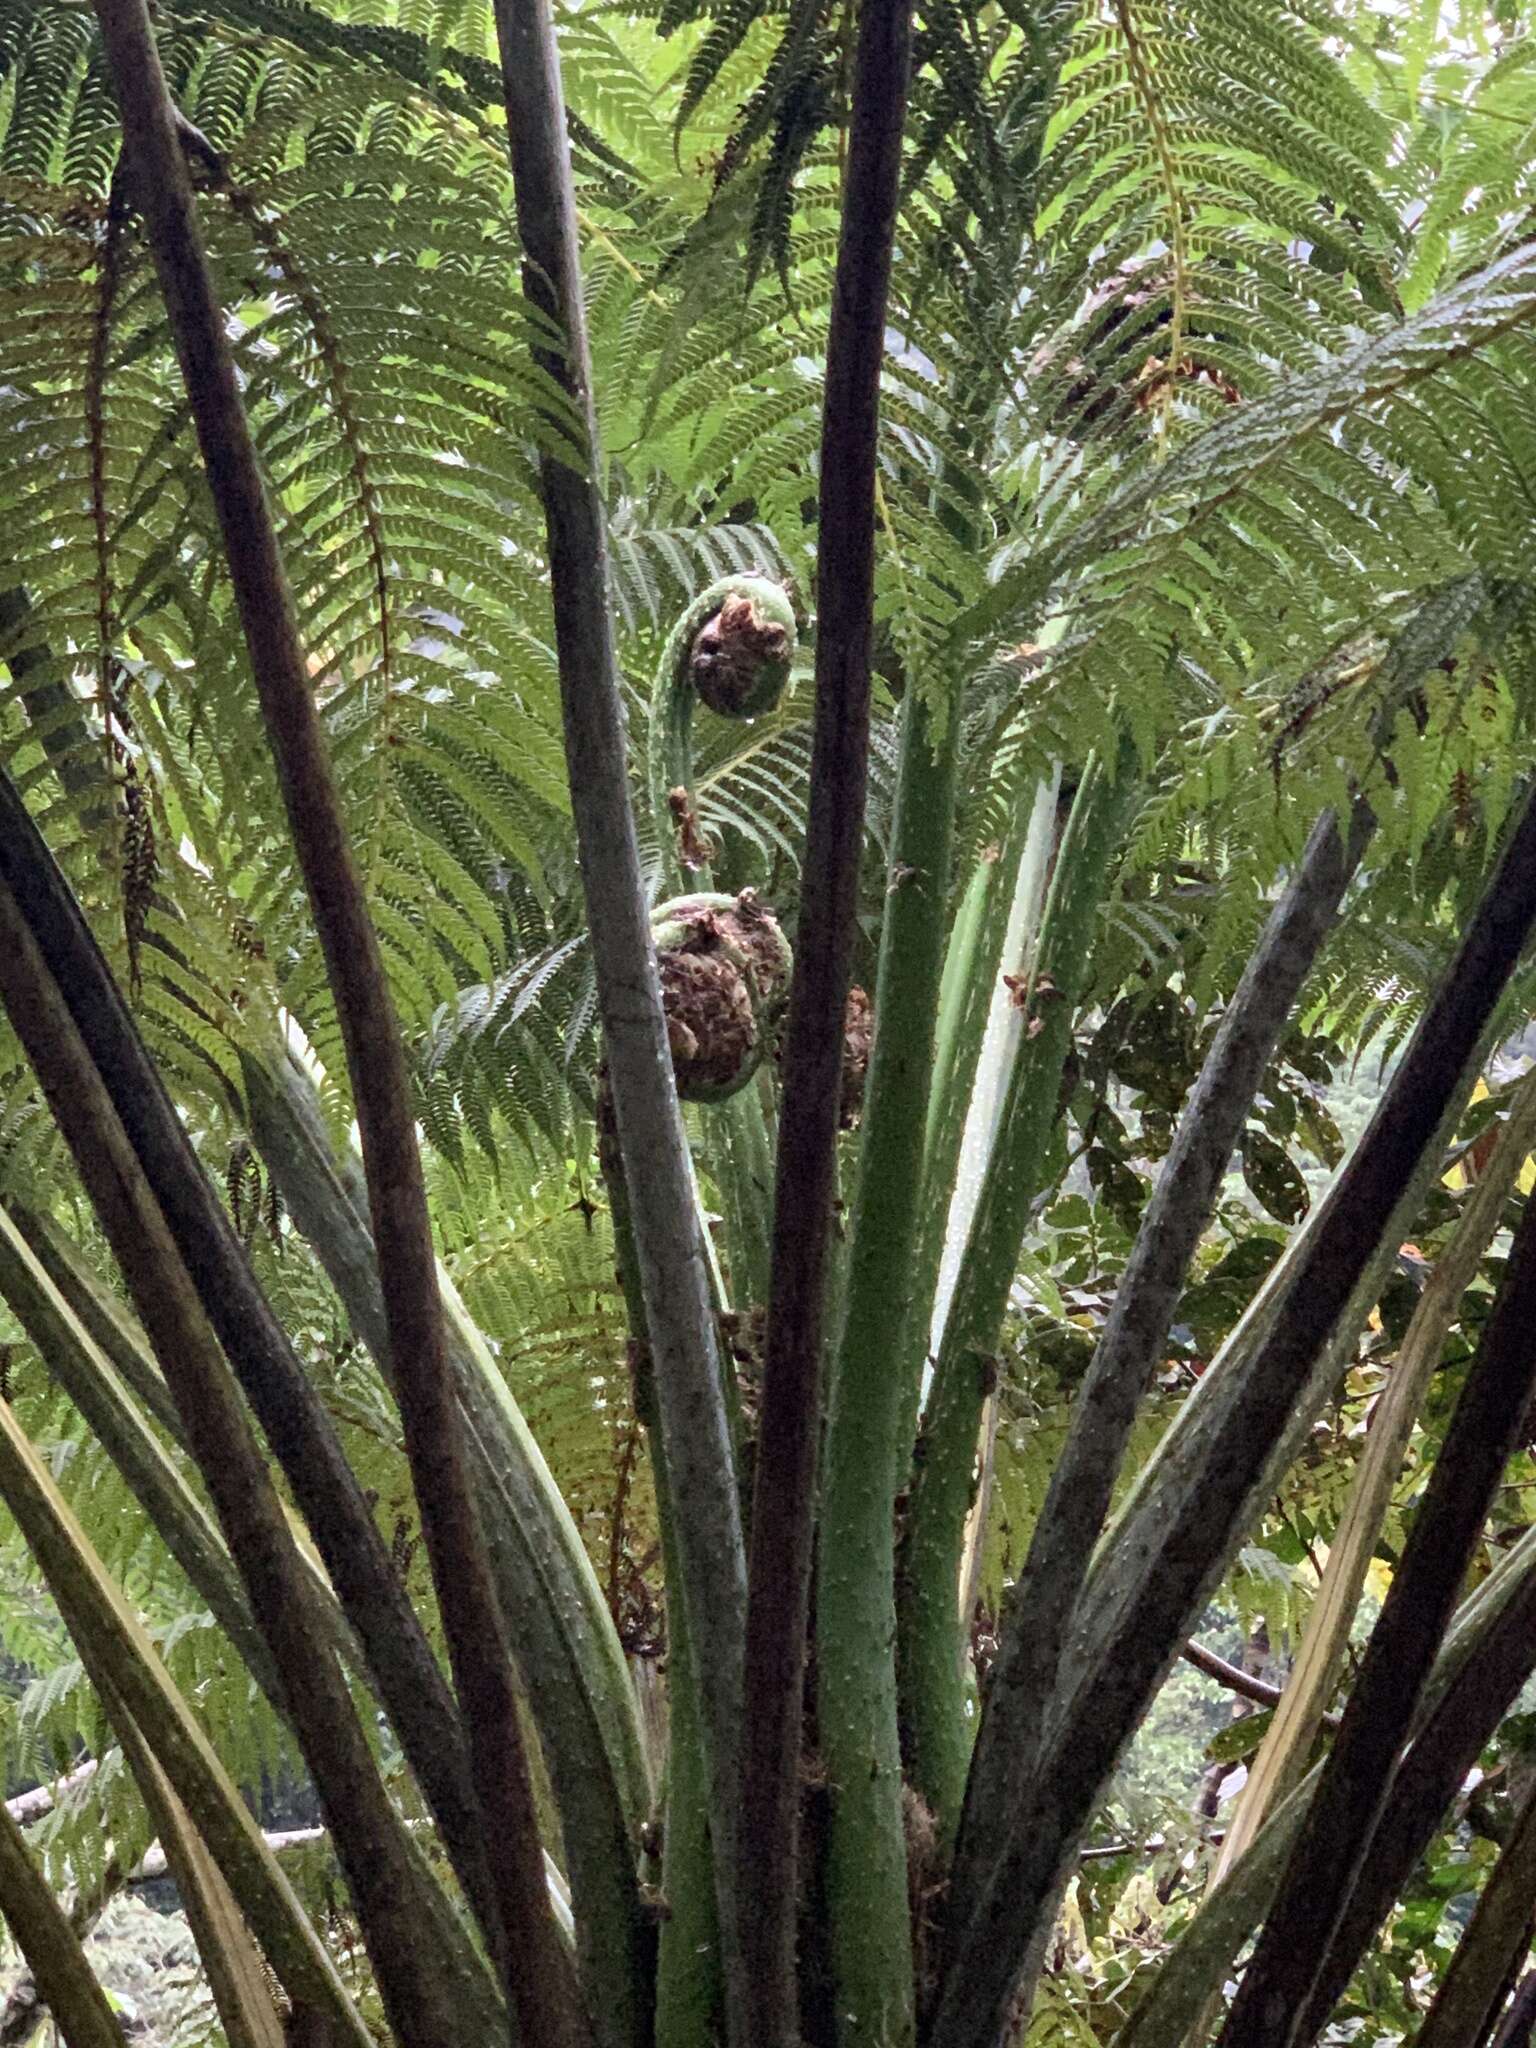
(1207, 413)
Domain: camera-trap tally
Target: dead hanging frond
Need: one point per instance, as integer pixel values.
(254, 1201)
(131, 815)
(243, 1188)
(792, 106)
(140, 860)
(108, 275)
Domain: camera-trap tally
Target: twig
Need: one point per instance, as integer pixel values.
(1232, 1676)
(1106, 1852)
(28, 1807)
(1236, 1679)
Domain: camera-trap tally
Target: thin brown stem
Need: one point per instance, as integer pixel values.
(1259, 1690)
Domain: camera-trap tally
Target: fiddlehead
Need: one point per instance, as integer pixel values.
(731, 651)
(725, 966)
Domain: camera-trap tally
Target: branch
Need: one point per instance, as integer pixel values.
(52, 1947)
(1232, 1676)
(523, 1936)
(35, 1805)
(1107, 1852)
